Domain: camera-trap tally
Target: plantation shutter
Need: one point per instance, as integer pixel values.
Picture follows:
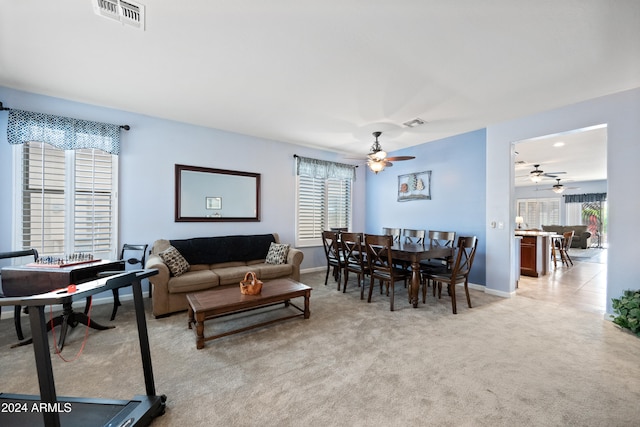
(539, 212)
(311, 207)
(93, 207)
(43, 198)
(339, 203)
(68, 200)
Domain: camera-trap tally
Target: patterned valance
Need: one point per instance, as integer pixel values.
(62, 132)
(585, 198)
(324, 169)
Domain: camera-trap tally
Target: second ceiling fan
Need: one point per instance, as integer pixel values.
(377, 159)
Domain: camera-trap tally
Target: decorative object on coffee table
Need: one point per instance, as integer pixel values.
(250, 285)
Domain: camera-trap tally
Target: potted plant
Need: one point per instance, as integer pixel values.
(627, 308)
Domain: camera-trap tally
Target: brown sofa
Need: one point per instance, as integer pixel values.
(214, 261)
(580, 236)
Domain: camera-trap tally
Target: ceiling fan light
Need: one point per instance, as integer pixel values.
(376, 166)
(536, 178)
(379, 155)
(558, 189)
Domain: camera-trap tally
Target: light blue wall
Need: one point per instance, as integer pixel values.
(621, 113)
(149, 152)
(457, 192)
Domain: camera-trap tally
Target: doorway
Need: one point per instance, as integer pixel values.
(561, 180)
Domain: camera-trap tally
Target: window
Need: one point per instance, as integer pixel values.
(67, 202)
(321, 204)
(539, 212)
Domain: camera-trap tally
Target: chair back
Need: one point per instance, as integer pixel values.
(394, 232)
(379, 253)
(414, 236)
(330, 243)
(465, 253)
(439, 239)
(134, 254)
(17, 254)
(353, 249)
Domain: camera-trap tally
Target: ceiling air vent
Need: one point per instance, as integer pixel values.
(126, 12)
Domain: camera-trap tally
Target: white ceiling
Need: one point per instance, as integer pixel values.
(327, 74)
(577, 155)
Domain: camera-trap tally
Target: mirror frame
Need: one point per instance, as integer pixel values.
(178, 194)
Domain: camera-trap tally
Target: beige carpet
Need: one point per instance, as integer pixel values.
(506, 362)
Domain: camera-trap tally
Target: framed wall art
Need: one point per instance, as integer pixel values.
(414, 186)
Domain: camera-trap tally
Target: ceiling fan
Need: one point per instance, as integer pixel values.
(536, 175)
(377, 159)
(558, 188)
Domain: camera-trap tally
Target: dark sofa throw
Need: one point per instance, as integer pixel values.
(214, 250)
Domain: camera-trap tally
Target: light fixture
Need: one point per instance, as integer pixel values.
(519, 221)
(558, 188)
(376, 165)
(377, 159)
(536, 174)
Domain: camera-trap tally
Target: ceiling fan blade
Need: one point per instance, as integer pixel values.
(399, 158)
(553, 174)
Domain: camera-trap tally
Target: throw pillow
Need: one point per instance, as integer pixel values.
(277, 253)
(174, 260)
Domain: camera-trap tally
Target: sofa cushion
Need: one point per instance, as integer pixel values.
(193, 281)
(175, 261)
(277, 253)
(272, 271)
(233, 275)
(214, 250)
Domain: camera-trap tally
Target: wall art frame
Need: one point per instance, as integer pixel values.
(414, 186)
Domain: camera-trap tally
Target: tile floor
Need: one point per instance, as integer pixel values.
(583, 285)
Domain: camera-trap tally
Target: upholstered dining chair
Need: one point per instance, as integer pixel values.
(381, 265)
(355, 259)
(465, 252)
(333, 254)
(16, 312)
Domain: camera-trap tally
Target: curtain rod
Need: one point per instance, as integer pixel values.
(3, 108)
(295, 156)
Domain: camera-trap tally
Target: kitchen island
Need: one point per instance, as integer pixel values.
(534, 252)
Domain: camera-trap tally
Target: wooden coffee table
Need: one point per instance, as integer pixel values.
(219, 302)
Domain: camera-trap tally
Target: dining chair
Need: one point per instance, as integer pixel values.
(355, 260)
(381, 267)
(16, 311)
(465, 253)
(567, 237)
(414, 236)
(439, 239)
(395, 232)
(333, 254)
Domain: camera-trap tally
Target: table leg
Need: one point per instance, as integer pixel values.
(307, 312)
(199, 331)
(415, 283)
(190, 317)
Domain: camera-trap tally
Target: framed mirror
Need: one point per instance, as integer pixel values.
(216, 195)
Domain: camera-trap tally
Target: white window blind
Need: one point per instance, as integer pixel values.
(68, 200)
(539, 212)
(322, 204)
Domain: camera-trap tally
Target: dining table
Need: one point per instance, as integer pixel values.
(414, 253)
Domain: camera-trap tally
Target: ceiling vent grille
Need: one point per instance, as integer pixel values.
(126, 12)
